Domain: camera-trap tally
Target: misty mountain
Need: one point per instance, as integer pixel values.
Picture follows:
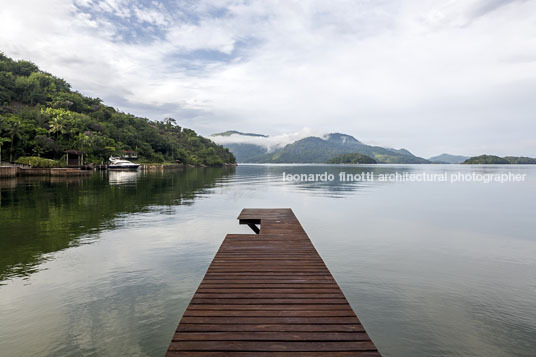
(314, 149)
(448, 159)
(320, 150)
(234, 132)
(244, 152)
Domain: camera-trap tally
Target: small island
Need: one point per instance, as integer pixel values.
(496, 160)
(353, 158)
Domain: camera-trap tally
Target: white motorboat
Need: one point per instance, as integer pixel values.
(116, 163)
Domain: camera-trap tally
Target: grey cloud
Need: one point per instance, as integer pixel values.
(408, 74)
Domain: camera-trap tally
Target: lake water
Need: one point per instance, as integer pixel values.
(106, 265)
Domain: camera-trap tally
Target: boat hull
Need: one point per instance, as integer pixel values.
(123, 167)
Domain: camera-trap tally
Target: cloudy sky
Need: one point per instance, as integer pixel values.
(430, 76)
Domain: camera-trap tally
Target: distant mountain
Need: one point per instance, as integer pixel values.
(496, 160)
(448, 159)
(342, 139)
(242, 149)
(402, 151)
(244, 152)
(320, 150)
(234, 132)
(486, 159)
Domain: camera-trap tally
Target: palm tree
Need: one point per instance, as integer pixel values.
(83, 142)
(2, 141)
(56, 126)
(14, 131)
(170, 122)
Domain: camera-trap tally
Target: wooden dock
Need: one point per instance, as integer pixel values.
(269, 294)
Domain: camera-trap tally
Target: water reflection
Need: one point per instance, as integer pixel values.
(336, 188)
(431, 268)
(40, 215)
(123, 177)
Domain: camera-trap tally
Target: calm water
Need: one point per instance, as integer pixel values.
(106, 265)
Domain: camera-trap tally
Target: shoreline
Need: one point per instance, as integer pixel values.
(179, 166)
(19, 171)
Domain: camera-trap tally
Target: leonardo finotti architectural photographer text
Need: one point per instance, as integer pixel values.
(406, 177)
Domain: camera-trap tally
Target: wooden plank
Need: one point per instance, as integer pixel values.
(268, 320)
(272, 354)
(294, 288)
(269, 328)
(269, 294)
(278, 307)
(269, 313)
(253, 346)
(268, 301)
(267, 283)
(272, 336)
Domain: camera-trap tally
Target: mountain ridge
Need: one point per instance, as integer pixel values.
(236, 132)
(314, 149)
(448, 159)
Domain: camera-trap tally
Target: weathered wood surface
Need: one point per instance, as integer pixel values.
(269, 294)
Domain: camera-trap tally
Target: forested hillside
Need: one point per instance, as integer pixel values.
(496, 160)
(353, 158)
(40, 115)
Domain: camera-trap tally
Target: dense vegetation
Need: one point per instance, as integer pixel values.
(41, 116)
(35, 161)
(491, 159)
(353, 158)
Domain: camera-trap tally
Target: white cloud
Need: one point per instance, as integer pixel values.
(451, 76)
(151, 16)
(271, 143)
(207, 36)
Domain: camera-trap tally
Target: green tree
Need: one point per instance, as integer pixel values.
(43, 145)
(83, 142)
(14, 131)
(56, 126)
(2, 141)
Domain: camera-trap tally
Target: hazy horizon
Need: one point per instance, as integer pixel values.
(433, 78)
